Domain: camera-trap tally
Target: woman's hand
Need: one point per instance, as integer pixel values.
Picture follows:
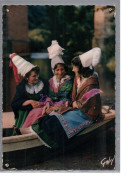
(66, 103)
(50, 109)
(74, 104)
(45, 108)
(35, 104)
(47, 111)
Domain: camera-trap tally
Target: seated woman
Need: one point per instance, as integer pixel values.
(28, 91)
(65, 122)
(60, 85)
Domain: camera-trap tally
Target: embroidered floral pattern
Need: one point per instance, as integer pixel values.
(89, 95)
(54, 84)
(70, 132)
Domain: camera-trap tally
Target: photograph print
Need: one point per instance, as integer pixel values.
(59, 87)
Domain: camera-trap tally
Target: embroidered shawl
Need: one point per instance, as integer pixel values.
(60, 91)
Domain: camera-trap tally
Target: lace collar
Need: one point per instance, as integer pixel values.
(34, 88)
(58, 83)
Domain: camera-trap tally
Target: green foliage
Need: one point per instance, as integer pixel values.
(38, 39)
(71, 26)
(36, 17)
(111, 64)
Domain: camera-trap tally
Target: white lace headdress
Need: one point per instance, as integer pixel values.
(21, 64)
(91, 58)
(55, 53)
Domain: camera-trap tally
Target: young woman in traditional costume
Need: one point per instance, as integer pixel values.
(28, 91)
(60, 85)
(65, 122)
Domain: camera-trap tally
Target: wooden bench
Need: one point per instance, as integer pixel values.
(26, 141)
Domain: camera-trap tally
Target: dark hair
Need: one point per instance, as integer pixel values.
(84, 71)
(62, 64)
(35, 69)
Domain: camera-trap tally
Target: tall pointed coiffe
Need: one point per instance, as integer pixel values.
(20, 66)
(91, 58)
(55, 54)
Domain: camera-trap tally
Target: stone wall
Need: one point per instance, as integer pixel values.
(15, 40)
(103, 25)
(104, 37)
(16, 35)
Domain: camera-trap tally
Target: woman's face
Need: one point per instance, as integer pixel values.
(75, 69)
(33, 78)
(59, 71)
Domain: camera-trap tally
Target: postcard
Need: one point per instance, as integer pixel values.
(60, 87)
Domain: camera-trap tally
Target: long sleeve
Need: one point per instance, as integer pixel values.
(19, 99)
(91, 105)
